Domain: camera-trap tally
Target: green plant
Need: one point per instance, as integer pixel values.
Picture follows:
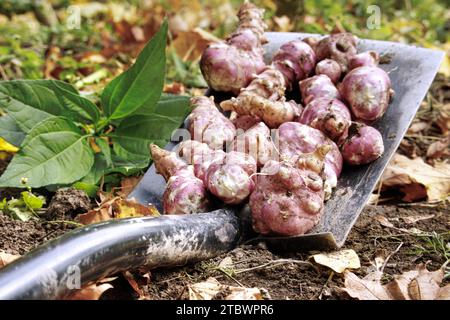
(25, 207)
(67, 139)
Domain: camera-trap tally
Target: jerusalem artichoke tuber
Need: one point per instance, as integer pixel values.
(296, 138)
(367, 90)
(364, 59)
(319, 86)
(255, 142)
(207, 124)
(184, 192)
(340, 47)
(330, 116)
(363, 145)
(230, 66)
(289, 195)
(330, 68)
(230, 179)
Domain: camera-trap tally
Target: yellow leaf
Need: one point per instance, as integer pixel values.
(6, 258)
(211, 288)
(129, 209)
(416, 179)
(338, 261)
(7, 147)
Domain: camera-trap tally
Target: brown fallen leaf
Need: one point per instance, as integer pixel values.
(6, 258)
(384, 221)
(133, 284)
(212, 289)
(189, 45)
(439, 148)
(416, 179)
(117, 208)
(418, 284)
(91, 292)
(443, 120)
(415, 218)
(127, 185)
(418, 127)
(174, 88)
(338, 261)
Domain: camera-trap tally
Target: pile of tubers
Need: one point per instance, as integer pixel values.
(280, 157)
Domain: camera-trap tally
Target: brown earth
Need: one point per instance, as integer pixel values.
(307, 281)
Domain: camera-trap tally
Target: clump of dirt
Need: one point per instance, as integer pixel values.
(19, 237)
(67, 202)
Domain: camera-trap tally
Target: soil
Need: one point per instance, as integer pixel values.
(305, 280)
(19, 237)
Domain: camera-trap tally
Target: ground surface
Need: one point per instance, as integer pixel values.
(255, 266)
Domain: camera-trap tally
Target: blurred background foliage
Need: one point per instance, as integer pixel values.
(87, 42)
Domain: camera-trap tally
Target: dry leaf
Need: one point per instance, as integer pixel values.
(211, 288)
(443, 120)
(174, 88)
(91, 292)
(384, 221)
(416, 179)
(117, 208)
(373, 199)
(6, 258)
(418, 284)
(94, 216)
(189, 45)
(439, 148)
(368, 288)
(417, 127)
(127, 185)
(282, 24)
(128, 209)
(227, 262)
(132, 282)
(338, 261)
(416, 218)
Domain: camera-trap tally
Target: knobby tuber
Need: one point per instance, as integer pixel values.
(330, 68)
(364, 59)
(367, 90)
(363, 145)
(200, 156)
(230, 66)
(184, 193)
(289, 195)
(255, 142)
(296, 138)
(264, 96)
(230, 178)
(207, 124)
(330, 116)
(319, 86)
(244, 122)
(340, 47)
(295, 60)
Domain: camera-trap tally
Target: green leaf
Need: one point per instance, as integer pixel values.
(168, 105)
(29, 102)
(106, 150)
(90, 189)
(54, 152)
(141, 84)
(136, 134)
(10, 131)
(32, 202)
(133, 136)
